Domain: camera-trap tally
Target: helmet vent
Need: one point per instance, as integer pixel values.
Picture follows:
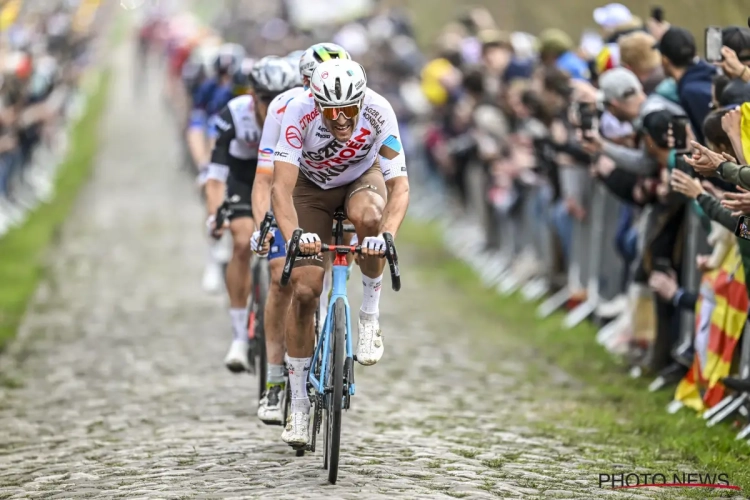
(337, 88)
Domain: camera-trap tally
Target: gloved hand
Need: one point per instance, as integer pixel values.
(374, 245)
(254, 245)
(309, 244)
(213, 231)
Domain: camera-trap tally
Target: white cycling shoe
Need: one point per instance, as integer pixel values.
(271, 406)
(295, 432)
(370, 347)
(236, 359)
(213, 278)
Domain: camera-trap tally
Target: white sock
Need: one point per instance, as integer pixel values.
(299, 369)
(239, 323)
(274, 374)
(371, 294)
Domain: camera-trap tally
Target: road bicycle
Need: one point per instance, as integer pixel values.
(332, 375)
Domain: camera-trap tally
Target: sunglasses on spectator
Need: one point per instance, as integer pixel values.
(332, 113)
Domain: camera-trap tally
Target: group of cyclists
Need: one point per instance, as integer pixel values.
(302, 136)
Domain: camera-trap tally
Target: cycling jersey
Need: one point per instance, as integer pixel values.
(272, 127)
(238, 135)
(328, 163)
(210, 97)
(219, 100)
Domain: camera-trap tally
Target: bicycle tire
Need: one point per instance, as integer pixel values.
(261, 286)
(333, 431)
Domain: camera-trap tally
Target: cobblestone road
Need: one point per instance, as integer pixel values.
(122, 392)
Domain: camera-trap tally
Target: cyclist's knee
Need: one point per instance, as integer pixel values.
(241, 243)
(367, 218)
(307, 286)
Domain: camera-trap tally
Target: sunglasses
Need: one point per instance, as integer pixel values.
(332, 113)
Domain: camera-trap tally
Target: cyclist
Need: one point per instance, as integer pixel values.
(210, 97)
(232, 170)
(270, 409)
(344, 140)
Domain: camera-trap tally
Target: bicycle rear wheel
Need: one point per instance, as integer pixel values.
(257, 308)
(335, 397)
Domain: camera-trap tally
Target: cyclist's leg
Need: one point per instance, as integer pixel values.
(365, 203)
(315, 209)
(271, 407)
(238, 271)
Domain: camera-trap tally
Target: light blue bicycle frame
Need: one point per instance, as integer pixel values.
(323, 348)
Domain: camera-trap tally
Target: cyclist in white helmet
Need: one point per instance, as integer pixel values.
(231, 173)
(339, 146)
(271, 405)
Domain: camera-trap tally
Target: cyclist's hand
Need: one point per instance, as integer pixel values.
(255, 246)
(213, 231)
(309, 244)
(374, 246)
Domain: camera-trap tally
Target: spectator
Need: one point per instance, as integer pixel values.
(637, 53)
(556, 49)
(693, 76)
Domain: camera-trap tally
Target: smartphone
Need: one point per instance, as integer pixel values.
(657, 14)
(663, 265)
(743, 227)
(714, 42)
(679, 132)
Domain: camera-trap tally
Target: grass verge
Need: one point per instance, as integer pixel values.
(22, 249)
(620, 411)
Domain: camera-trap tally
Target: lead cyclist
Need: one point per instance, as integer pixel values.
(343, 139)
(270, 409)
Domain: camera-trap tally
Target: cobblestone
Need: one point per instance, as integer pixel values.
(123, 393)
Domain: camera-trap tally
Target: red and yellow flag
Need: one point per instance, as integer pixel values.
(720, 313)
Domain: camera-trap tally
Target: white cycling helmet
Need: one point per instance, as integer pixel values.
(319, 53)
(272, 75)
(338, 83)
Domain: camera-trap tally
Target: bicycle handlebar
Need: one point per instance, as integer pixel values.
(265, 226)
(293, 251)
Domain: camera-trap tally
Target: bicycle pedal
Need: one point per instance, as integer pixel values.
(354, 357)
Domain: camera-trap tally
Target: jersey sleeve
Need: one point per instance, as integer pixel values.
(225, 133)
(291, 137)
(390, 137)
(268, 140)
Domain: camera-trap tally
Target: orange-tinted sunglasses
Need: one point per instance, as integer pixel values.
(349, 112)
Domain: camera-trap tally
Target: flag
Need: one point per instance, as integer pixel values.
(721, 313)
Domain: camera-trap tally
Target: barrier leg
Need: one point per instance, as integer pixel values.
(728, 410)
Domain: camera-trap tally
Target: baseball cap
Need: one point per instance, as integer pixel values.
(736, 38)
(678, 45)
(612, 15)
(656, 125)
(618, 84)
(735, 93)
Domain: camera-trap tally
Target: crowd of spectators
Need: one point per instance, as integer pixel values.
(42, 56)
(625, 151)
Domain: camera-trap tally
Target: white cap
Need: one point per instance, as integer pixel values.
(611, 15)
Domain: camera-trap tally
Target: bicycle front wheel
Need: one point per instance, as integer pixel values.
(336, 396)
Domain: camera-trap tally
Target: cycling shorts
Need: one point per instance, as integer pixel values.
(278, 247)
(315, 206)
(239, 195)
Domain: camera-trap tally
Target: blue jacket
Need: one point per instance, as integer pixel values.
(694, 89)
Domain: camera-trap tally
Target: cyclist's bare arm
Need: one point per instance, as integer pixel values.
(398, 198)
(261, 197)
(218, 167)
(284, 179)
